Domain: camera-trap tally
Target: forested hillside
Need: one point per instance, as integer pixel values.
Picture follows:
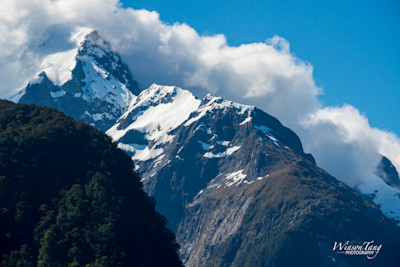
(69, 197)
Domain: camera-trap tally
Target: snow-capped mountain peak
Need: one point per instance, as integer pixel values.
(160, 114)
(89, 82)
(59, 65)
(148, 123)
(81, 34)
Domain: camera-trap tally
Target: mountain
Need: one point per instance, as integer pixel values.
(89, 82)
(69, 197)
(168, 131)
(234, 183)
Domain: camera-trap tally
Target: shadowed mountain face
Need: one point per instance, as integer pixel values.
(388, 173)
(298, 210)
(234, 183)
(69, 197)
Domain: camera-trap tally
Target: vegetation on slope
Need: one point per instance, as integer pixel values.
(69, 197)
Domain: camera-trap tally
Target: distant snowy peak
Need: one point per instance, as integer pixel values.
(91, 40)
(212, 103)
(95, 54)
(89, 82)
(60, 63)
(160, 109)
(95, 50)
(158, 94)
(160, 113)
(148, 123)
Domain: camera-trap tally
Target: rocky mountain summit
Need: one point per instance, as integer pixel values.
(89, 82)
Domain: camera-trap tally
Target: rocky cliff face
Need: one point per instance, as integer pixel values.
(292, 217)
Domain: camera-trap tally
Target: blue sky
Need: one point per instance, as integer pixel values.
(354, 46)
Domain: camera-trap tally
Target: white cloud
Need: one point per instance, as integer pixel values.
(266, 75)
(344, 142)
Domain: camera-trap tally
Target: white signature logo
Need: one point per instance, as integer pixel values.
(368, 249)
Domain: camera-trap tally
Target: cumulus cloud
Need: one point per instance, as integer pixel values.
(346, 142)
(266, 74)
(262, 74)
